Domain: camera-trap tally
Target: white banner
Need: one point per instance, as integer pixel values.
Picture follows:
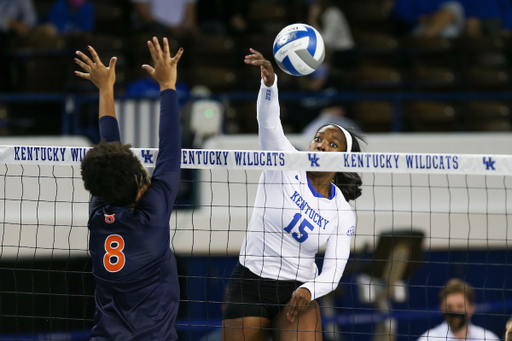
(476, 164)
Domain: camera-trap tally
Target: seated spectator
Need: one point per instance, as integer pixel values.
(508, 330)
(490, 17)
(175, 16)
(224, 17)
(458, 305)
(429, 18)
(17, 17)
(66, 18)
(71, 17)
(330, 21)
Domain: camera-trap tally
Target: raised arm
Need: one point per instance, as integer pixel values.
(165, 73)
(158, 201)
(271, 134)
(104, 78)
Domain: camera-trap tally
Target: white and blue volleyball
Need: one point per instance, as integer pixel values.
(299, 49)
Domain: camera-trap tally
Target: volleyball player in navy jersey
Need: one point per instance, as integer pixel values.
(137, 292)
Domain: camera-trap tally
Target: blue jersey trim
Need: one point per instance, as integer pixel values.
(318, 195)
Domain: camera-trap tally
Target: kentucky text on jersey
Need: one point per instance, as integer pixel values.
(39, 153)
(313, 215)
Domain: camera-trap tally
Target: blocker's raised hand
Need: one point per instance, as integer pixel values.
(103, 77)
(267, 71)
(165, 70)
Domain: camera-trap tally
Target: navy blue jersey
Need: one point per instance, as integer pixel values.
(137, 292)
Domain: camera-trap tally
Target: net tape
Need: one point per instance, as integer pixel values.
(422, 163)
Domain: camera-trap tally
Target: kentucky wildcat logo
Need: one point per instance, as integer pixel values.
(109, 218)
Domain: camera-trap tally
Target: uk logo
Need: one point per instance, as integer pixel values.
(148, 157)
(313, 159)
(489, 164)
(109, 218)
(350, 231)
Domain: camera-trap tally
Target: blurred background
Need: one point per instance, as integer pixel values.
(392, 66)
(408, 65)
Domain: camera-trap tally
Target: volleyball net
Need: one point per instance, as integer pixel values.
(422, 219)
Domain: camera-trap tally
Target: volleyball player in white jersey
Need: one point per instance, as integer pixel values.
(273, 289)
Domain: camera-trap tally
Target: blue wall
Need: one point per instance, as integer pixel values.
(39, 298)
(489, 272)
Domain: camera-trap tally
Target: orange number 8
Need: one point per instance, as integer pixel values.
(116, 252)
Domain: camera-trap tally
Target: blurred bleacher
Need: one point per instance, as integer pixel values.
(394, 77)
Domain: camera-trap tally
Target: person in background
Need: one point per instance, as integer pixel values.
(332, 24)
(490, 17)
(69, 17)
(223, 17)
(175, 16)
(17, 18)
(508, 330)
(458, 305)
(428, 18)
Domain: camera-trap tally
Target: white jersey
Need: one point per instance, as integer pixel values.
(291, 221)
(443, 333)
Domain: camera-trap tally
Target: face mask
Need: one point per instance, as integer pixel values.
(455, 320)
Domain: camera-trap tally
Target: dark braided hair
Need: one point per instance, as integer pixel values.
(111, 172)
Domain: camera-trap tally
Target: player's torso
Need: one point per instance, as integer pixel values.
(292, 216)
(124, 247)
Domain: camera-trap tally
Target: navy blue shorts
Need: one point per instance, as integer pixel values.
(250, 295)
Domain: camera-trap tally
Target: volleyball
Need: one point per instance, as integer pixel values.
(299, 49)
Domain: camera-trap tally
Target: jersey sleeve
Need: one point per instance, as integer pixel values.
(335, 259)
(158, 200)
(271, 134)
(109, 129)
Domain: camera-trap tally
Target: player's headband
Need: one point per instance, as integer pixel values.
(348, 137)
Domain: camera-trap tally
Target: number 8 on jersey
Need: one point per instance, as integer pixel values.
(114, 257)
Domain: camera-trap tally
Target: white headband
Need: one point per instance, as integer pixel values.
(348, 137)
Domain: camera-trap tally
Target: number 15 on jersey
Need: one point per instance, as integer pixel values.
(302, 228)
